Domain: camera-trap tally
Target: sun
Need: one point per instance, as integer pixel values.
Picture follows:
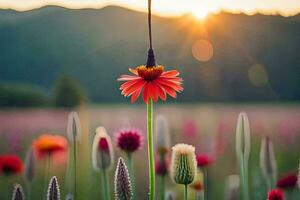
(200, 13)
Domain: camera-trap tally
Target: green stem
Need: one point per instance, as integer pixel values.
(269, 184)
(150, 149)
(205, 174)
(273, 181)
(47, 173)
(8, 187)
(75, 168)
(105, 185)
(185, 192)
(199, 195)
(131, 173)
(244, 177)
(29, 190)
(161, 185)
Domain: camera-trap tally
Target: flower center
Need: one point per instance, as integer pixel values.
(150, 74)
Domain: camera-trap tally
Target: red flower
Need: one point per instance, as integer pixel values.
(48, 144)
(197, 186)
(129, 140)
(10, 164)
(161, 166)
(287, 181)
(154, 81)
(103, 144)
(204, 160)
(275, 194)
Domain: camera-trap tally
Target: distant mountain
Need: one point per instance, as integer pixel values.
(95, 46)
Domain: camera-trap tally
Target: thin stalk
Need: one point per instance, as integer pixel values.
(150, 149)
(149, 24)
(7, 189)
(269, 184)
(29, 190)
(47, 173)
(105, 185)
(272, 181)
(161, 185)
(75, 167)
(205, 174)
(185, 192)
(199, 195)
(244, 177)
(131, 173)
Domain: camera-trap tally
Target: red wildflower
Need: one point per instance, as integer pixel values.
(103, 144)
(154, 81)
(161, 166)
(287, 181)
(10, 164)
(197, 184)
(129, 140)
(204, 160)
(48, 144)
(275, 194)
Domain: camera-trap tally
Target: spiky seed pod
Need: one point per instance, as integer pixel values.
(74, 127)
(162, 134)
(243, 137)
(123, 190)
(18, 193)
(53, 189)
(29, 169)
(183, 164)
(102, 152)
(69, 197)
(267, 159)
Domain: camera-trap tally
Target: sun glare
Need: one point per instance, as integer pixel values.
(200, 13)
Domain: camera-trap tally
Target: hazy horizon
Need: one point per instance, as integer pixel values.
(176, 8)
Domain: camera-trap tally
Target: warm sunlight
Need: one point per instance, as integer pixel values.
(201, 13)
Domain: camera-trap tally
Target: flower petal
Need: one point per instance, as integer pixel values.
(161, 92)
(146, 93)
(136, 94)
(170, 73)
(174, 79)
(134, 71)
(128, 78)
(153, 91)
(173, 85)
(170, 91)
(128, 84)
(129, 90)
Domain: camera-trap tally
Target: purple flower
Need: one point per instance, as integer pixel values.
(129, 140)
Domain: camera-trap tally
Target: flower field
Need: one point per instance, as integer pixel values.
(210, 128)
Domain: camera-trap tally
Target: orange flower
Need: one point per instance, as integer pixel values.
(154, 81)
(50, 144)
(10, 164)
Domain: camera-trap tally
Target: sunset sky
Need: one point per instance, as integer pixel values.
(170, 7)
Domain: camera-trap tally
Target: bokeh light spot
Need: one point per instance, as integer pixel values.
(258, 75)
(202, 50)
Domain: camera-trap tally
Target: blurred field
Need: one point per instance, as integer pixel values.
(210, 127)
